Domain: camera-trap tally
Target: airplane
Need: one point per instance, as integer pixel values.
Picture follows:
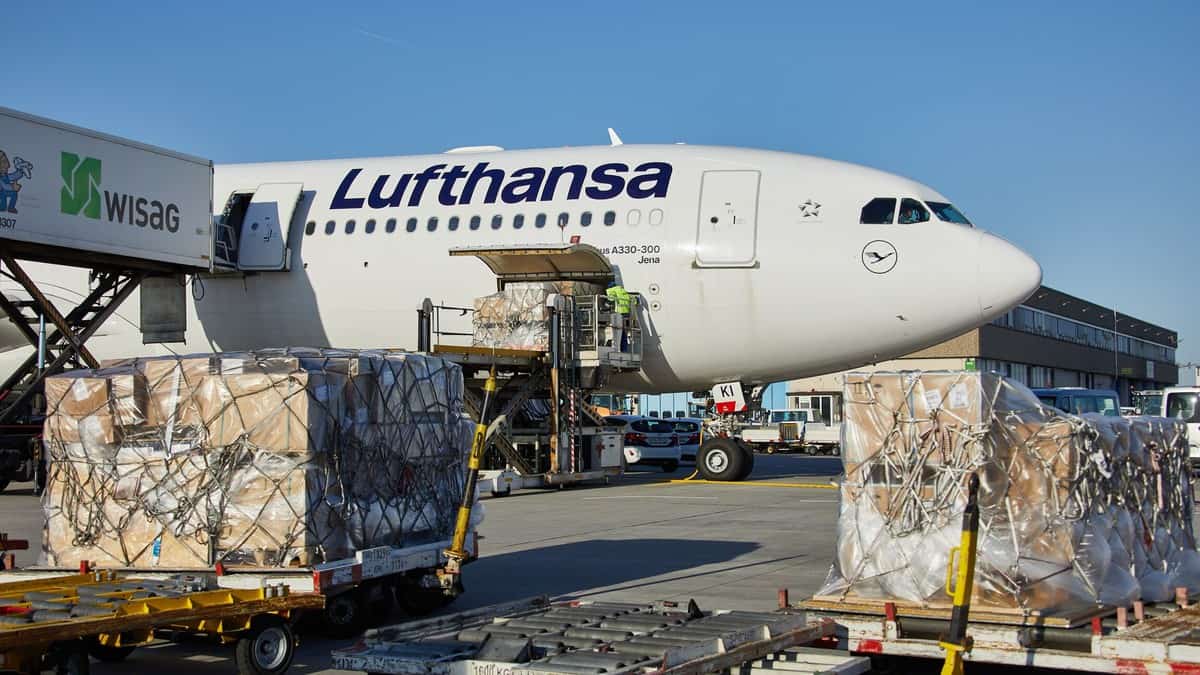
(755, 266)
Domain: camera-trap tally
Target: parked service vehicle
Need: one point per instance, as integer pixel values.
(649, 441)
(21, 447)
(1179, 403)
(688, 430)
(782, 431)
(1148, 401)
(1077, 400)
(819, 437)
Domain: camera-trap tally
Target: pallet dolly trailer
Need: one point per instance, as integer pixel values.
(537, 637)
(571, 442)
(58, 622)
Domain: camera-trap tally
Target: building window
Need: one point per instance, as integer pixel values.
(497, 222)
(370, 226)
(452, 224)
(518, 221)
(656, 216)
(878, 211)
(563, 219)
(391, 226)
(432, 224)
(610, 218)
(585, 218)
(634, 217)
(474, 224)
(411, 225)
(310, 227)
(540, 221)
(330, 226)
(349, 227)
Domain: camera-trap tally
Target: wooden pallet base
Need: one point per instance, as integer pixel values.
(999, 615)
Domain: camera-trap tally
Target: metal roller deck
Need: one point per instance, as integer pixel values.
(589, 638)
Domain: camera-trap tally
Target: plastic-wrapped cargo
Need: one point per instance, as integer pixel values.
(267, 458)
(517, 317)
(1074, 511)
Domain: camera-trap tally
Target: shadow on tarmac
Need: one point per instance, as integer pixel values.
(569, 569)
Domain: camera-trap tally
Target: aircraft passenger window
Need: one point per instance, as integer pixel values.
(878, 211)
(391, 226)
(370, 227)
(518, 222)
(330, 227)
(310, 227)
(452, 224)
(563, 219)
(349, 227)
(912, 211)
(635, 217)
(656, 216)
(497, 222)
(475, 220)
(540, 221)
(411, 225)
(585, 218)
(432, 225)
(610, 217)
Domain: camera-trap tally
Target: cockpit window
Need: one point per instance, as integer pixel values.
(948, 213)
(912, 211)
(878, 211)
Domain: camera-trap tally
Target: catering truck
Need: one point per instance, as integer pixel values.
(84, 191)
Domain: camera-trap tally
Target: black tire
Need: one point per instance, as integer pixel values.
(417, 601)
(344, 615)
(748, 465)
(267, 648)
(3, 484)
(108, 654)
(721, 459)
(770, 449)
(379, 600)
(670, 466)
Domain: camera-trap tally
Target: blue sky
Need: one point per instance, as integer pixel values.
(1068, 128)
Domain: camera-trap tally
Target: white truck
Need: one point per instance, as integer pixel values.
(1179, 403)
(91, 193)
(781, 431)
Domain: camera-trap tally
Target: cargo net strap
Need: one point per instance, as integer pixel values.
(1074, 510)
(269, 458)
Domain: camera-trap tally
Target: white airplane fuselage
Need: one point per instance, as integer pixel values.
(753, 264)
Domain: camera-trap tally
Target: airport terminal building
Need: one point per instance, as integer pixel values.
(1053, 339)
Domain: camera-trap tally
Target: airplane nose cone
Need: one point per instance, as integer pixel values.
(1007, 276)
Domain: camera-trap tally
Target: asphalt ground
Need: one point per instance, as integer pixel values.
(649, 536)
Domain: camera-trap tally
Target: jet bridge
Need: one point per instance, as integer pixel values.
(550, 433)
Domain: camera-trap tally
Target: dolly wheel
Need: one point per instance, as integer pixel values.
(345, 614)
(268, 647)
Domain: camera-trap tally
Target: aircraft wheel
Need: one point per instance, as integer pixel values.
(722, 459)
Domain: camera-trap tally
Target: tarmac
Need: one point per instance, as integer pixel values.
(648, 536)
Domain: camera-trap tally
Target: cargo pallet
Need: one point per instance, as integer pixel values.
(572, 442)
(1148, 638)
(58, 622)
(535, 636)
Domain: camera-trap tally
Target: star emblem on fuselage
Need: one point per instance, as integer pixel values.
(809, 209)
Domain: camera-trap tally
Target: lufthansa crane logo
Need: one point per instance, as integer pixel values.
(879, 257)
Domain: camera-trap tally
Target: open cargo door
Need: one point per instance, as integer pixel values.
(542, 262)
(263, 242)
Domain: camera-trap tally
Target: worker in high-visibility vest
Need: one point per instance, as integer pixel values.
(623, 304)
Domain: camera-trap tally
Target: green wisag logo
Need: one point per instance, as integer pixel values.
(81, 185)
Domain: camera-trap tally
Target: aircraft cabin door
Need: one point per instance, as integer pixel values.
(263, 243)
(727, 233)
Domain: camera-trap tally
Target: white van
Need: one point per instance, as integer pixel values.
(1179, 403)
